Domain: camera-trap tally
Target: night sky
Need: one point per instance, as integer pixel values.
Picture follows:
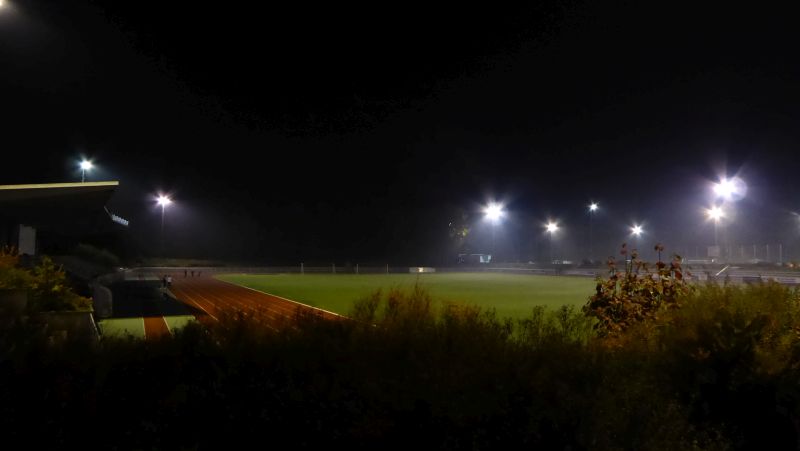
(355, 134)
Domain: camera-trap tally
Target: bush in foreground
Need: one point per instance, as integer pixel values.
(719, 373)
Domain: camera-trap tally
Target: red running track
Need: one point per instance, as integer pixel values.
(212, 299)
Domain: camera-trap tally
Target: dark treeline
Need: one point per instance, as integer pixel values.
(721, 372)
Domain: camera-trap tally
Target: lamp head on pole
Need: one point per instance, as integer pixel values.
(163, 200)
(85, 164)
(732, 189)
(715, 213)
(494, 212)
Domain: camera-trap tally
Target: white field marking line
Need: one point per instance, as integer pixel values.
(226, 302)
(285, 299)
(162, 316)
(280, 297)
(144, 329)
(236, 302)
(201, 308)
(264, 307)
(212, 304)
(232, 302)
(277, 313)
(257, 308)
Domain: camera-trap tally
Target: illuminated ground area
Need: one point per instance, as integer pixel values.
(143, 310)
(511, 295)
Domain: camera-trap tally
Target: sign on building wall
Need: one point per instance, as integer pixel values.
(27, 240)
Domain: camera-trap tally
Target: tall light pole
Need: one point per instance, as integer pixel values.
(163, 200)
(493, 213)
(85, 165)
(715, 213)
(551, 227)
(729, 190)
(592, 208)
(636, 230)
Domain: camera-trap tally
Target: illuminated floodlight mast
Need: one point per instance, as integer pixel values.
(636, 231)
(494, 212)
(85, 165)
(163, 201)
(551, 227)
(715, 213)
(730, 189)
(592, 208)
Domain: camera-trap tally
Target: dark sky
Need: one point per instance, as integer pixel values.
(357, 134)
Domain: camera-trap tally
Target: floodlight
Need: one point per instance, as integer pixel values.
(552, 227)
(724, 188)
(493, 211)
(636, 230)
(592, 207)
(163, 200)
(730, 189)
(715, 213)
(85, 165)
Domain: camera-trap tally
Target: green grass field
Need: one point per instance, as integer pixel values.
(511, 295)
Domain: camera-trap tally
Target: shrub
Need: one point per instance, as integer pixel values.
(50, 291)
(637, 294)
(12, 277)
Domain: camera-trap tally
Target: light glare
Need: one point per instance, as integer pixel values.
(85, 164)
(552, 227)
(164, 200)
(636, 230)
(593, 206)
(715, 213)
(730, 189)
(493, 212)
(724, 188)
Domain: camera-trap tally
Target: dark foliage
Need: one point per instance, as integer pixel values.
(719, 373)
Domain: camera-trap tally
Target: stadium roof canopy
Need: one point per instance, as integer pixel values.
(57, 205)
